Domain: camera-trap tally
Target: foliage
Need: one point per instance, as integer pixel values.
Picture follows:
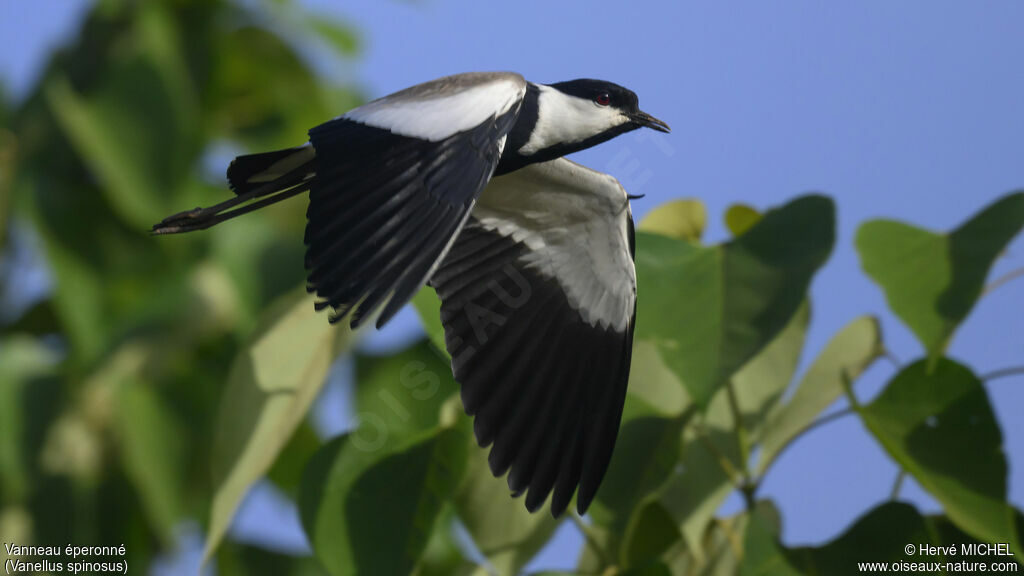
(161, 378)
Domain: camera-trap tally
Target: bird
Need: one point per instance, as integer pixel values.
(461, 183)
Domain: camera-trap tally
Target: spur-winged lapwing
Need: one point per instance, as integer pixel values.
(460, 183)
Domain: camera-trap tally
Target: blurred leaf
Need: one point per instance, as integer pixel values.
(115, 134)
(442, 555)
(651, 569)
(694, 494)
(22, 360)
(272, 384)
(8, 152)
(237, 558)
(721, 547)
(938, 425)
(740, 217)
(428, 306)
(286, 472)
(267, 112)
(651, 532)
(371, 511)
(710, 309)
(762, 554)
(39, 320)
(15, 525)
(881, 535)
(645, 454)
(152, 451)
(504, 532)
(652, 383)
(845, 357)
(401, 395)
(679, 219)
(761, 382)
(932, 281)
(341, 37)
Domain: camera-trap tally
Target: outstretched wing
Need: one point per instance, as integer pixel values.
(395, 180)
(538, 301)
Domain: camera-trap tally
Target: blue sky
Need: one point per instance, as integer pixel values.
(909, 110)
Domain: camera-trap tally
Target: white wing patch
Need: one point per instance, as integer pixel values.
(574, 221)
(435, 110)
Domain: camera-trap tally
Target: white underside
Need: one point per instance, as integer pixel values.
(574, 222)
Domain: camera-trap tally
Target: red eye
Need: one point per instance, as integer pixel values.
(603, 99)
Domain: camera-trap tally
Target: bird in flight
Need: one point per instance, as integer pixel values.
(461, 183)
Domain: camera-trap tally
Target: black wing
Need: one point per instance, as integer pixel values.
(538, 307)
(395, 181)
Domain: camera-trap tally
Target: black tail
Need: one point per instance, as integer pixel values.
(272, 176)
(291, 164)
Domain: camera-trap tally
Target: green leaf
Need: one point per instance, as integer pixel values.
(286, 472)
(22, 361)
(651, 533)
(880, 535)
(401, 395)
(931, 281)
(8, 155)
(114, 133)
(694, 496)
(272, 384)
(938, 425)
(680, 219)
(646, 452)
(442, 555)
(740, 217)
(845, 357)
(761, 382)
(342, 38)
(152, 451)
(762, 554)
(757, 386)
(711, 309)
(372, 511)
(504, 532)
(652, 383)
(266, 114)
(428, 306)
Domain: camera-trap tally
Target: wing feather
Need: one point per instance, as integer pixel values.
(538, 296)
(395, 181)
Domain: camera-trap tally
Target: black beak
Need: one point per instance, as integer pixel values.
(646, 120)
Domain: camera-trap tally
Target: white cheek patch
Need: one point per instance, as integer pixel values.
(438, 117)
(565, 119)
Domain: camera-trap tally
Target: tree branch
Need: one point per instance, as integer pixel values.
(1003, 280)
(1003, 373)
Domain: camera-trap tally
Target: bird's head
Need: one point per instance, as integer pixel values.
(581, 113)
(600, 103)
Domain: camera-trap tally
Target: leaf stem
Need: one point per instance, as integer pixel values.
(1003, 280)
(892, 359)
(848, 390)
(589, 538)
(898, 485)
(742, 438)
(1003, 373)
(723, 461)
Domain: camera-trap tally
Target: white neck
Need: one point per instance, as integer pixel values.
(564, 119)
